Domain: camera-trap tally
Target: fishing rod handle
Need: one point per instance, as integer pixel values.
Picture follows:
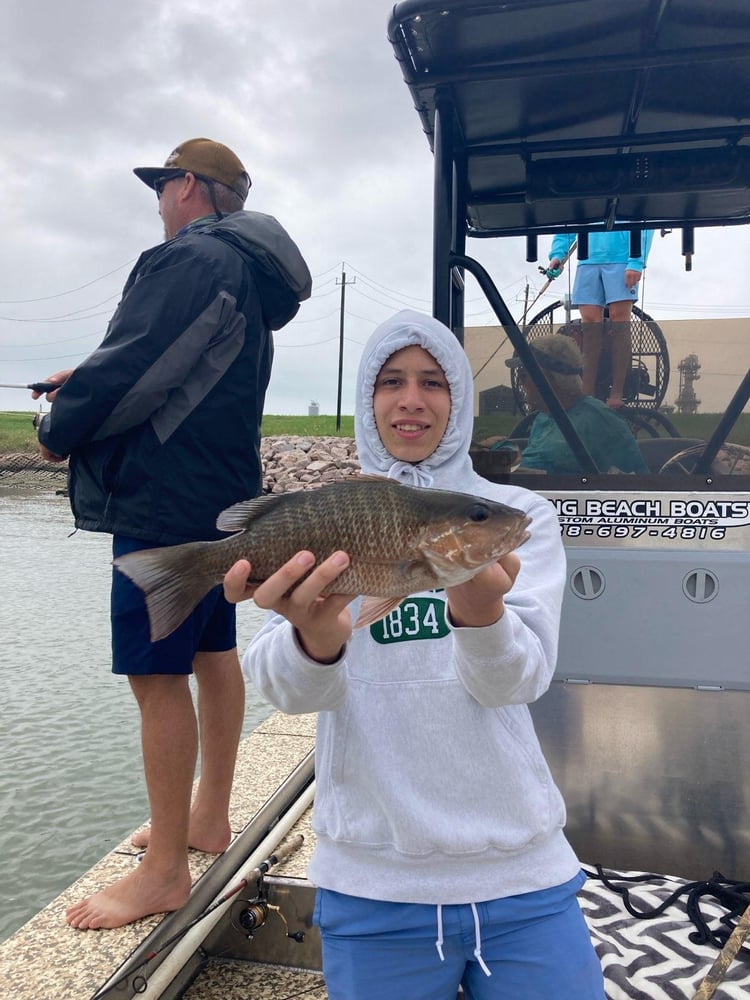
(43, 386)
(284, 850)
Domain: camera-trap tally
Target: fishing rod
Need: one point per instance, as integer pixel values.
(551, 275)
(542, 290)
(717, 973)
(257, 911)
(34, 386)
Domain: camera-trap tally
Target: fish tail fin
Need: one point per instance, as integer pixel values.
(173, 580)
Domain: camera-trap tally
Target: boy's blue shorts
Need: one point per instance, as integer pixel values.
(600, 284)
(212, 626)
(536, 946)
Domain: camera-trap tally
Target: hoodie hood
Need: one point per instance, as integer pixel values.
(449, 466)
(280, 271)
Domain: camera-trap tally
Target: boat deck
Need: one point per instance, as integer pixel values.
(47, 960)
(229, 979)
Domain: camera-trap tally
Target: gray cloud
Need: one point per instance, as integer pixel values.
(310, 96)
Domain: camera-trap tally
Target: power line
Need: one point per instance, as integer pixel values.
(323, 295)
(59, 295)
(62, 316)
(333, 267)
(385, 305)
(23, 361)
(394, 292)
(50, 343)
(313, 343)
(65, 319)
(314, 319)
(365, 319)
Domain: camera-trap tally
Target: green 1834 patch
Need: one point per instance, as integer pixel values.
(414, 618)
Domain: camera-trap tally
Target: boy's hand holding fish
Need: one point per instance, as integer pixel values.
(323, 625)
(479, 602)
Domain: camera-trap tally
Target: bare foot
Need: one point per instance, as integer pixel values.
(210, 837)
(137, 895)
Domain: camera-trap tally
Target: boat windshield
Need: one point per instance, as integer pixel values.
(559, 119)
(685, 411)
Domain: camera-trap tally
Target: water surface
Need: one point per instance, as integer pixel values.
(71, 780)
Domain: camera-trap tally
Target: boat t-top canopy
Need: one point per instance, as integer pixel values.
(563, 114)
(576, 115)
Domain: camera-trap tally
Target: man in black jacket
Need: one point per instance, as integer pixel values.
(162, 428)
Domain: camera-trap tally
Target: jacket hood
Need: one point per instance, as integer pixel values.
(449, 466)
(280, 271)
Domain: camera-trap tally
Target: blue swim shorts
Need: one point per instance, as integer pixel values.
(534, 946)
(600, 284)
(211, 628)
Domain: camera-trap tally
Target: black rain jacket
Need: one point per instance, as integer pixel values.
(162, 421)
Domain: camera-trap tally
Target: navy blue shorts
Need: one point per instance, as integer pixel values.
(211, 628)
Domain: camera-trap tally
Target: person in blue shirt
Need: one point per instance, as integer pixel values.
(606, 436)
(608, 278)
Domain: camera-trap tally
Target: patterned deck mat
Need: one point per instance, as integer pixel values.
(657, 936)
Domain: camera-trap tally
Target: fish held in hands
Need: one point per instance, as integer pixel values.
(400, 540)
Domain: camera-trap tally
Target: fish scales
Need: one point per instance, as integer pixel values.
(376, 527)
(400, 539)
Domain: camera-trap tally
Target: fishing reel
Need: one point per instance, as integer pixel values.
(253, 916)
(550, 272)
(245, 917)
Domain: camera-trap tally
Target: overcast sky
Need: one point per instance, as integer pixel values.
(309, 95)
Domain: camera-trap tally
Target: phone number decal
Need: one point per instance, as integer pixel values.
(640, 530)
(650, 518)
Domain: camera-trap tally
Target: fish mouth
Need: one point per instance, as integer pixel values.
(480, 552)
(512, 540)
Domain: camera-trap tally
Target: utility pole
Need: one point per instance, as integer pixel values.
(343, 284)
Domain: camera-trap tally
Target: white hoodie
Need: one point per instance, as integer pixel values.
(431, 785)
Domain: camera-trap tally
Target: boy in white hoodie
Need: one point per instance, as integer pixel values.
(440, 856)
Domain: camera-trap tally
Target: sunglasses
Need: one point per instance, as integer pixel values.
(161, 182)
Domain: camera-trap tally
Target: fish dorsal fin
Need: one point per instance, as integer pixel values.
(359, 477)
(241, 515)
(375, 608)
(372, 477)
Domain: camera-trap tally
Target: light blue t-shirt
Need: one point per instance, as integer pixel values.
(606, 248)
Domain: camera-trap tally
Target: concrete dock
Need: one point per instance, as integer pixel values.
(48, 960)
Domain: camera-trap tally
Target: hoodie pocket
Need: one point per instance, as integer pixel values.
(458, 779)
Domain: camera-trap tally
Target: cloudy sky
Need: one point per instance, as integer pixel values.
(309, 95)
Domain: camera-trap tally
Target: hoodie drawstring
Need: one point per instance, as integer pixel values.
(478, 943)
(477, 938)
(410, 474)
(439, 942)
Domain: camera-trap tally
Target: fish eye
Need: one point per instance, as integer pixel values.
(478, 512)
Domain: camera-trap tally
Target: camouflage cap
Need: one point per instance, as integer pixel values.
(556, 353)
(205, 158)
